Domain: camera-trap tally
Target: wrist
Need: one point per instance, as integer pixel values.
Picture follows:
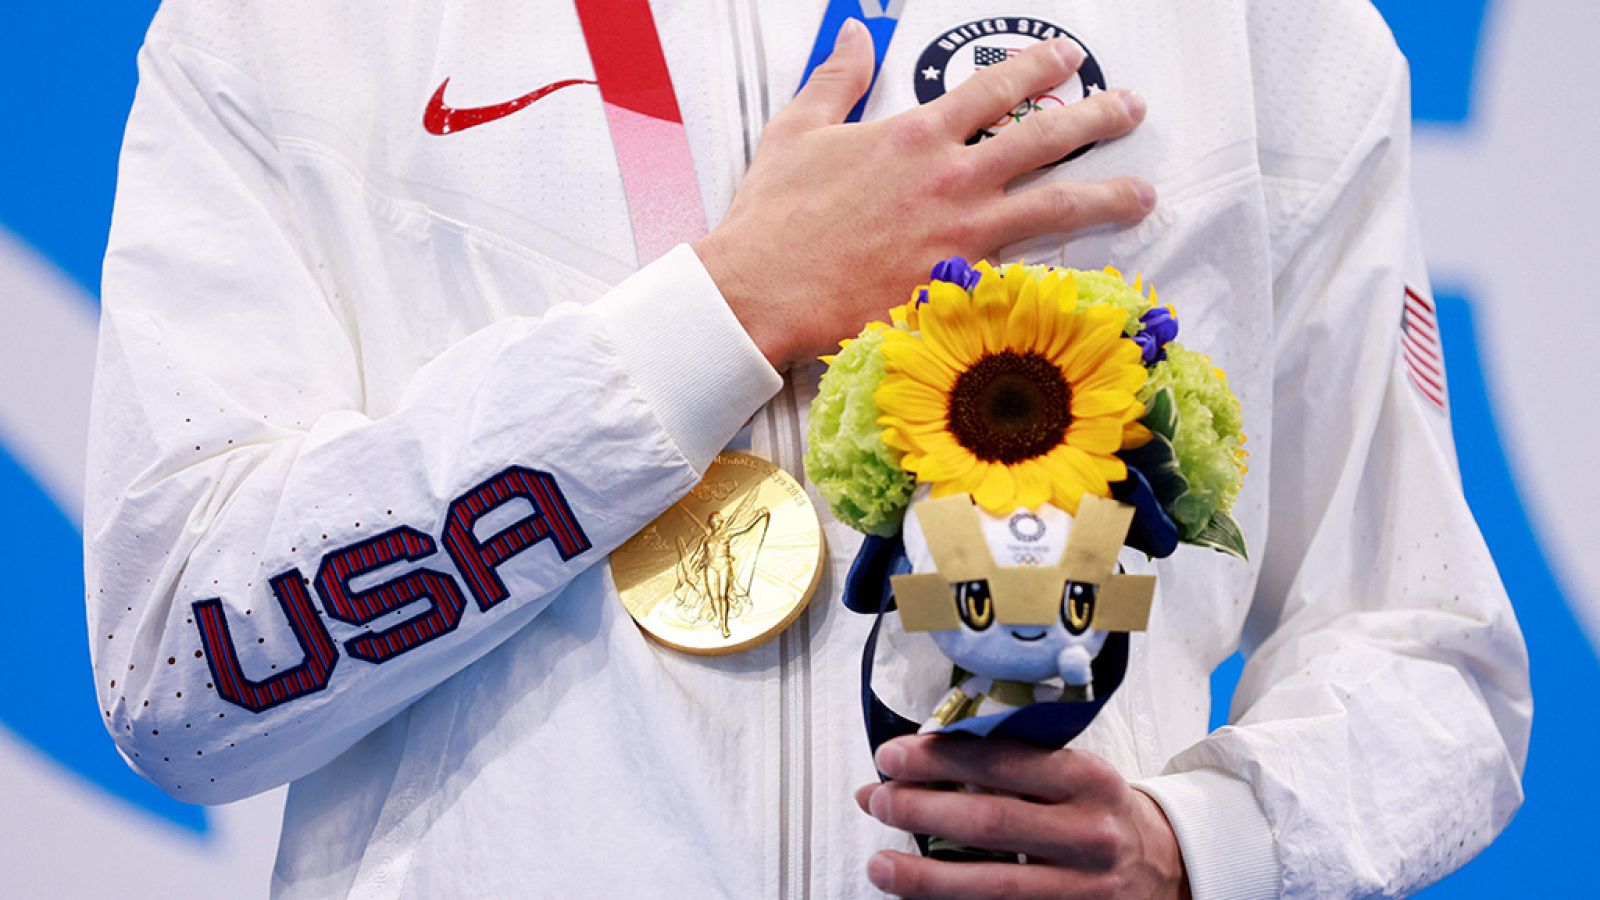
(686, 354)
(1161, 850)
(1227, 845)
(721, 260)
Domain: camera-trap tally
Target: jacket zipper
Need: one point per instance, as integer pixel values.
(794, 654)
(779, 423)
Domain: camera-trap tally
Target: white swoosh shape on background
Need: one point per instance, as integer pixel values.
(1510, 208)
(47, 339)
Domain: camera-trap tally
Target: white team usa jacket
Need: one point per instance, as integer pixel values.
(374, 403)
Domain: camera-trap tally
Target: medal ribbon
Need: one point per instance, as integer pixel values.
(641, 106)
(652, 146)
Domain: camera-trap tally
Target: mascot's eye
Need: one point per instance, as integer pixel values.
(1077, 606)
(974, 604)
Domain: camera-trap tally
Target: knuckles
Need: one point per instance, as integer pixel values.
(1103, 840)
(952, 177)
(887, 805)
(993, 820)
(1004, 886)
(1064, 205)
(1092, 770)
(1004, 87)
(914, 131)
(1049, 129)
(1108, 115)
(967, 235)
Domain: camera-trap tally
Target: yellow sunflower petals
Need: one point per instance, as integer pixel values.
(941, 441)
(1033, 483)
(1069, 291)
(998, 492)
(1099, 435)
(1067, 487)
(896, 340)
(1093, 404)
(893, 438)
(907, 316)
(1027, 328)
(920, 362)
(946, 464)
(1097, 470)
(1094, 343)
(1061, 300)
(1111, 469)
(1075, 472)
(1135, 434)
(1016, 278)
(910, 401)
(1128, 376)
(948, 322)
(993, 306)
(964, 484)
(913, 431)
(1018, 309)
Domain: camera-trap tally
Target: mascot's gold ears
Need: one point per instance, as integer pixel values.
(1023, 595)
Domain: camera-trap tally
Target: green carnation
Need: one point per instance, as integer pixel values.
(1097, 288)
(853, 469)
(1208, 444)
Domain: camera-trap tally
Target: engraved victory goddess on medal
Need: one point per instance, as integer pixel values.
(729, 565)
(715, 569)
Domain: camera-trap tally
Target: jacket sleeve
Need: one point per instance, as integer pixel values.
(1381, 722)
(273, 570)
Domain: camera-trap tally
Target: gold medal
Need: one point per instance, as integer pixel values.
(728, 566)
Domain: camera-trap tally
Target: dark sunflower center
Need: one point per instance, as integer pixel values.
(1010, 407)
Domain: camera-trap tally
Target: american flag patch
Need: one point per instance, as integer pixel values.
(1419, 344)
(989, 56)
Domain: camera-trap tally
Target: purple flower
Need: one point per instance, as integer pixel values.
(956, 271)
(1160, 327)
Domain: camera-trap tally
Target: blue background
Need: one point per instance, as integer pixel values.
(69, 86)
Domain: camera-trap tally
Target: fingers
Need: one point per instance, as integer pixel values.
(1013, 768)
(836, 85)
(1060, 207)
(905, 875)
(1045, 136)
(980, 820)
(996, 90)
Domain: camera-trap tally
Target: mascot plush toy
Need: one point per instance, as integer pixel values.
(1021, 602)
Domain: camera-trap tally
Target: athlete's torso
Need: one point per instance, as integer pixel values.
(578, 758)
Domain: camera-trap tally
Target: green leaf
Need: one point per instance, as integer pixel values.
(1223, 534)
(1160, 466)
(1161, 414)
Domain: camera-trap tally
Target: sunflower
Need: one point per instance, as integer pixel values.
(1010, 392)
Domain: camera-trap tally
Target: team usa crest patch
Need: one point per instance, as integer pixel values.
(960, 52)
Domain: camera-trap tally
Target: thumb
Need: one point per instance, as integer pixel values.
(837, 84)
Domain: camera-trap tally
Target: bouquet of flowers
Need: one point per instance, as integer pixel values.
(1041, 419)
(1030, 385)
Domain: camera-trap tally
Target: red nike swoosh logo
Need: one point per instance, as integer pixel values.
(442, 119)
